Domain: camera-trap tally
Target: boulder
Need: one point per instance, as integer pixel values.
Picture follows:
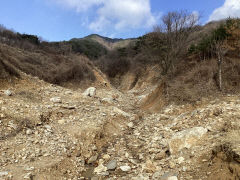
(186, 139)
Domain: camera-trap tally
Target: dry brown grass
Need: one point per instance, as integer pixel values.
(50, 67)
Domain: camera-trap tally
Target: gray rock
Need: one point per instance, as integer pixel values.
(92, 159)
(125, 168)
(56, 100)
(8, 93)
(112, 165)
(130, 125)
(172, 178)
(107, 100)
(157, 175)
(48, 128)
(29, 131)
(28, 176)
(68, 93)
(100, 170)
(3, 173)
(168, 175)
(90, 92)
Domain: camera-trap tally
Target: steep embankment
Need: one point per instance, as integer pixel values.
(72, 70)
(195, 73)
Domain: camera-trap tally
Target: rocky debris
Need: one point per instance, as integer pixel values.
(86, 138)
(91, 92)
(8, 93)
(186, 139)
(112, 165)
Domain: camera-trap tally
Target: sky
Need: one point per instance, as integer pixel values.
(57, 20)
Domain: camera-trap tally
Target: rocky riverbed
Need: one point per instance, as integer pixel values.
(50, 132)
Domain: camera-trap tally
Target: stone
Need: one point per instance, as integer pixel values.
(164, 117)
(106, 157)
(172, 165)
(78, 154)
(125, 168)
(8, 92)
(61, 121)
(56, 100)
(69, 107)
(3, 173)
(91, 92)
(49, 128)
(112, 165)
(156, 175)
(149, 167)
(2, 116)
(121, 112)
(29, 131)
(168, 175)
(100, 170)
(29, 168)
(130, 125)
(186, 139)
(28, 176)
(92, 159)
(172, 178)
(180, 160)
(107, 100)
(68, 93)
(160, 155)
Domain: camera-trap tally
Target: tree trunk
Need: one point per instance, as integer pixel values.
(220, 75)
(220, 69)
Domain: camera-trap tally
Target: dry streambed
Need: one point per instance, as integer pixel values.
(49, 132)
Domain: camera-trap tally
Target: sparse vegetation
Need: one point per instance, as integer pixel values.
(193, 60)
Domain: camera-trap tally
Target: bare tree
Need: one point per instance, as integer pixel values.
(220, 49)
(174, 32)
(220, 52)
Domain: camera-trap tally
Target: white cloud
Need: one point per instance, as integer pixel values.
(115, 14)
(124, 14)
(79, 5)
(230, 8)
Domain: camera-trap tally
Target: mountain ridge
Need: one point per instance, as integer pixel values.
(108, 43)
